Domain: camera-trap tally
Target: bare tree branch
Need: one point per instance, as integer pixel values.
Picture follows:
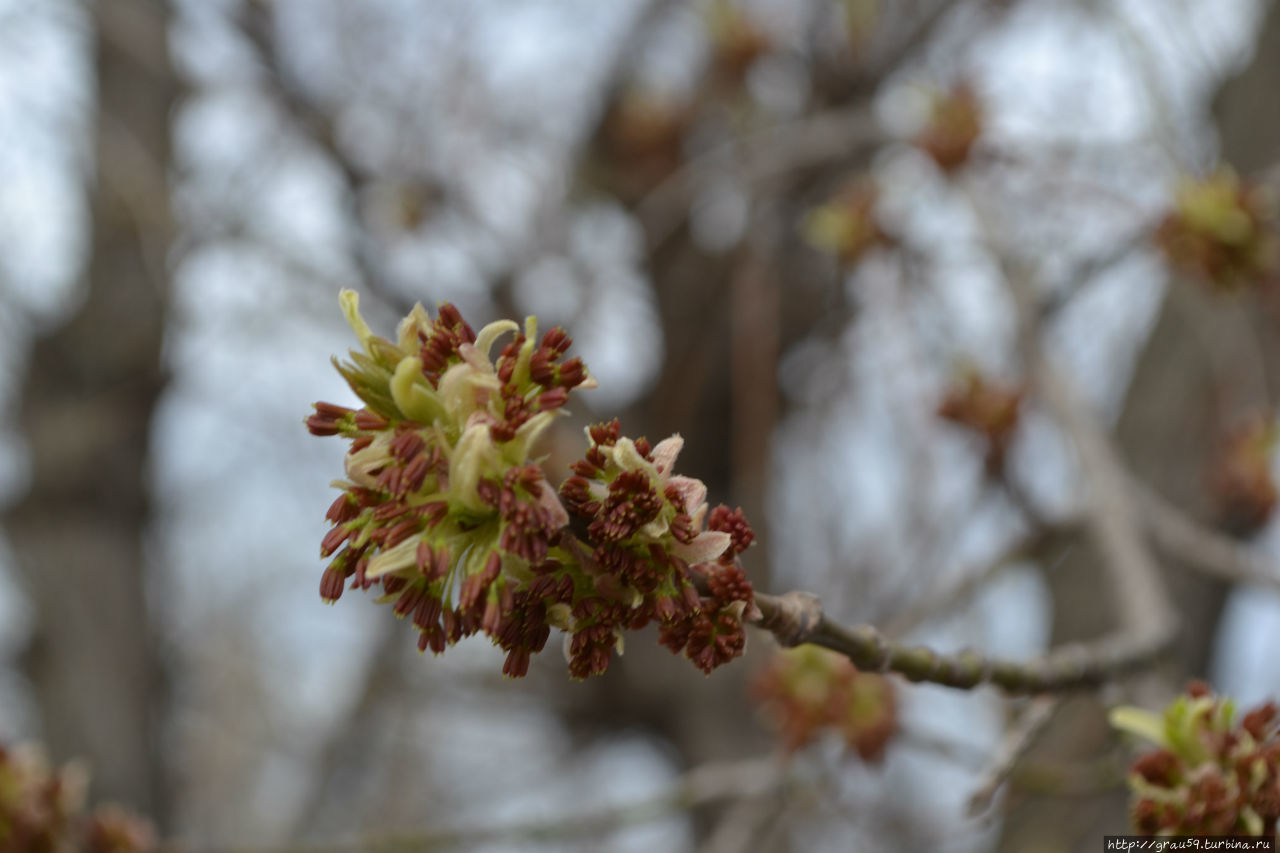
(1017, 739)
(797, 617)
(705, 784)
(1201, 547)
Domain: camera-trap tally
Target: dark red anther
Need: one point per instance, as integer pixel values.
(389, 479)
(415, 474)
(409, 600)
(371, 421)
(360, 580)
(321, 426)
(503, 432)
(432, 638)
(516, 664)
(425, 559)
(584, 468)
(571, 373)
(433, 512)
(427, 616)
(344, 508)
(541, 368)
(557, 340)
(553, 399)
(489, 491)
(333, 539)
(331, 583)
(407, 445)
(682, 528)
(606, 434)
(400, 532)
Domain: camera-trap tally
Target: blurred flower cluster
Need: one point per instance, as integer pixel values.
(1223, 232)
(736, 41)
(1212, 775)
(42, 810)
(808, 690)
(447, 511)
(846, 225)
(953, 128)
(1240, 479)
(987, 409)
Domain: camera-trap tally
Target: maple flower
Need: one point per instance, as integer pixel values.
(953, 128)
(658, 555)
(846, 225)
(42, 809)
(1212, 774)
(807, 690)
(1240, 480)
(442, 507)
(1223, 232)
(445, 510)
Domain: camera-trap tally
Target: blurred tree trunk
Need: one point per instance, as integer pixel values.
(1208, 362)
(87, 401)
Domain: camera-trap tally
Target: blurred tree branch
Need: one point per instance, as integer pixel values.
(87, 402)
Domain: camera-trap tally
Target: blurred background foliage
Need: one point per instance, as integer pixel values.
(775, 227)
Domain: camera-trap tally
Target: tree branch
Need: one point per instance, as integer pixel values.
(1201, 547)
(705, 784)
(797, 617)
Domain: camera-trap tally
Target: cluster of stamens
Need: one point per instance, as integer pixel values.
(1211, 775)
(444, 510)
(651, 558)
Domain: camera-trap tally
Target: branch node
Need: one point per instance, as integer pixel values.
(794, 617)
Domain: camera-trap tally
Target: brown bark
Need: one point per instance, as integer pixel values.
(87, 401)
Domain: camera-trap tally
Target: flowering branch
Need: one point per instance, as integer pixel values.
(797, 617)
(446, 509)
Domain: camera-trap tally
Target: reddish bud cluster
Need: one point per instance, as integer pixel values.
(42, 809)
(1240, 479)
(987, 409)
(651, 560)
(645, 139)
(807, 690)
(1214, 776)
(446, 513)
(953, 129)
(1223, 232)
(846, 225)
(736, 41)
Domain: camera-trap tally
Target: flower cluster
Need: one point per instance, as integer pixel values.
(643, 137)
(442, 507)
(42, 809)
(445, 510)
(988, 409)
(1240, 478)
(736, 41)
(1223, 232)
(657, 555)
(1211, 775)
(846, 225)
(808, 690)
(953, 128)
